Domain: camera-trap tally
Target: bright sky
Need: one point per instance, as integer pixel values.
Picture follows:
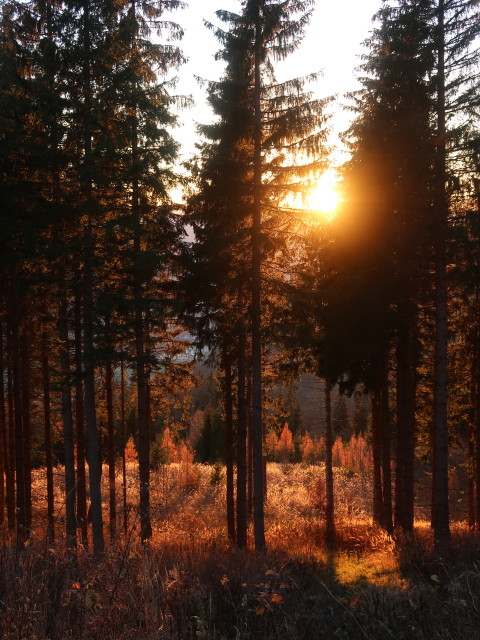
(332, 45)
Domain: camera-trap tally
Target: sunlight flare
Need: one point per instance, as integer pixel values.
(324, 197)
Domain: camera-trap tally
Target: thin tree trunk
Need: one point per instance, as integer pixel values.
(329, 491)
(11, 441)
(124, 444)
(67, 417)
(26, 422)
(3, 430)
(229, 448)
(256, 312)
(406, 391)
(88, 309)
(440, 504)
(250, 451)
(48, 438)
(377, 456)
(82, 522)
(13, 334)
(111, 448)
(241, 444)
(386, 450)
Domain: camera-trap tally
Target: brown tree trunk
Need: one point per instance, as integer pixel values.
(3, 430)
(124, 444)
(329, 490)
(25, 351)
(48, 438)
(241, 444)
(440, 504)
(406, 392)
(80, 423)
(229, 448)
(67, 417)
(386, 450)
(94, 464)
(111, 449)
(256, 309)
(378, 515)
(14, 338)
(10, 479)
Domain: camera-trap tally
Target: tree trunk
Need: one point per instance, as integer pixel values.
(229, 448)
(124, 444)
(241, 444)
(255, 310)
(111, 449)
(377, 456)
(329, 490)
(3, 431)
(406, 392)
(386, 450)
(48, 439)
(67, 417)
(25, 351)
(13, 335)
(88, 309)
(11, 440)
(440, 505)
(80, 423)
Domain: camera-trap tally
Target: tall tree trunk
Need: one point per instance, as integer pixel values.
(13, 335)
(250, 451)
(377, 455)
(241, 443)
(139, 328)
(440, 505)
(80, 422)
(11, 440)
(406, 392)
(386, 449)
(124, 444)
(229, 448)
(25, 351)
(3, 430)
(67, 417)
(94, 463)
(256, 309)
(111, 448)
(329, 491)
(48, 438)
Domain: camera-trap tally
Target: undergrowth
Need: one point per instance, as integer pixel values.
(189, 583)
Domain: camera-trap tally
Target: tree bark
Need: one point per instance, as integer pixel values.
(440, 503)
(13, 334)
(25, 351)
(377, 456)
(111, 449)
(124, 444)
(88, 309)
(10, 480)
(80, 423)
(256, 309)
(329, 490)
(48, 439)
(3, 430)
(386, 449)
(229, 448)
(241, 443)
(67, 417)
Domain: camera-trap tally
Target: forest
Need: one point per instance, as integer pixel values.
(238, 415)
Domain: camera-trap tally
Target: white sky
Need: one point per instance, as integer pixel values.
(332, 45)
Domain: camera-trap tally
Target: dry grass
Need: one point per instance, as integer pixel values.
(189, 583)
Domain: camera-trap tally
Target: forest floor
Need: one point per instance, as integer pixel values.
(190, 583)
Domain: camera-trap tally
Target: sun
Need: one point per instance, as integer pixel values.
(324, 198)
